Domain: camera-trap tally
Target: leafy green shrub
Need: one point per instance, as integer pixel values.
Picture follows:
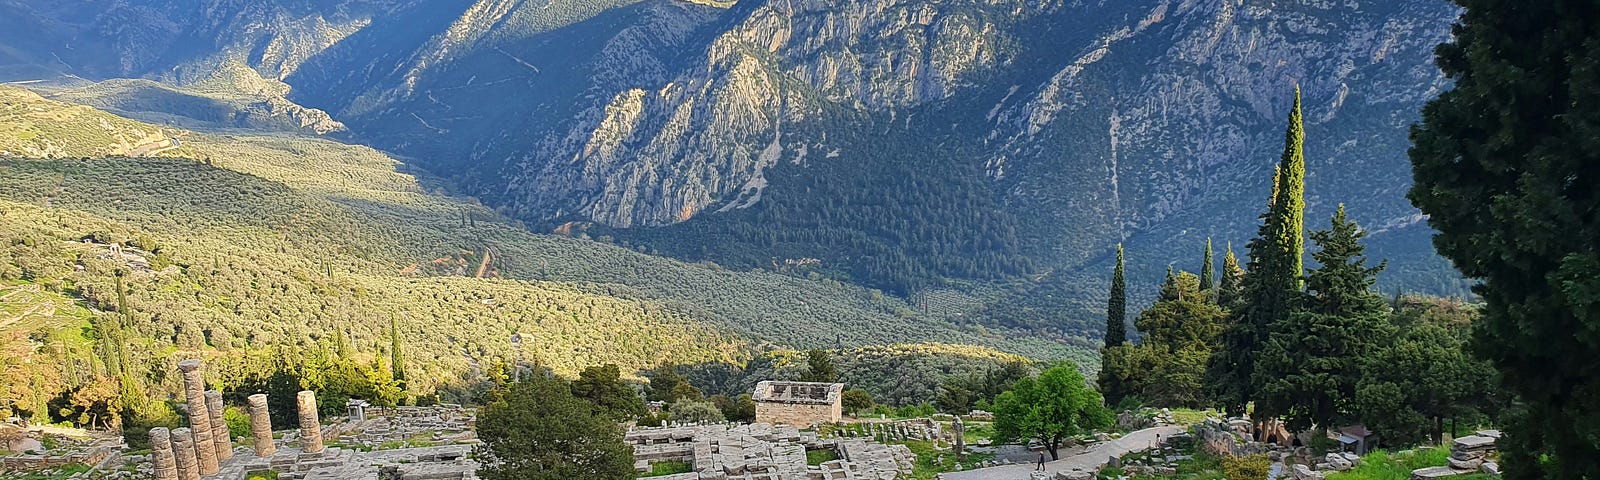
(1253, 467)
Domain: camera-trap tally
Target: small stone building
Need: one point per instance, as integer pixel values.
(801, 404)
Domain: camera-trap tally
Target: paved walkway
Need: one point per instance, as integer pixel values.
(1089, 459)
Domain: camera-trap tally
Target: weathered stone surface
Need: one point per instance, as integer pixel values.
(219, 427)
(184, 454)
(1490, 468)
(261, 425)
(802, 404)
(164, 465)
(310, 429)
(1471, 464)
(1434, 472)
(1473, 442)
(194, 386)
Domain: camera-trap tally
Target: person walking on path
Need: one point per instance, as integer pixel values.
(1041, 462)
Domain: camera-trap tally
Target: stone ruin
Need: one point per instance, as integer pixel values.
(762, 451)
(204, 449)
(1468, 454)
(802, 404)
(922, 429)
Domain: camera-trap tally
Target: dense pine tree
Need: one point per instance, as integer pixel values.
(1206, 280)
(1272, 281)
(1506, 166)
(1310, 364)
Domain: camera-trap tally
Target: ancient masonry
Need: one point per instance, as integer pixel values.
(261, 425)
(183, 449)
(219, 427)
(181, 454)
(163, 464)
(205, 449)
(762, 451)
(802, 404)
(1469, 454)
(310, 428)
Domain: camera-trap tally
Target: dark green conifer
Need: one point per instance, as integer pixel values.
(1272, 282)
(1117, 306)
(1310, 364)
(1506, 169)
(1206, 280)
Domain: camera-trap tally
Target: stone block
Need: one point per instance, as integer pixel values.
(1431, 473)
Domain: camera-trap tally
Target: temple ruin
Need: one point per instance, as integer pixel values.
(801, 404)
(762, 451)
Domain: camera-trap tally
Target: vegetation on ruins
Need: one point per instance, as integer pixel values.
(1505, 169)
(542, 432)
(1053, 408)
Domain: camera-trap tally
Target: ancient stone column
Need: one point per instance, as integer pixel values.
(961, 441)
(261, 425)
(161, 457)
(184, 454)
(194, 386)
(310, 431)
(219, 427)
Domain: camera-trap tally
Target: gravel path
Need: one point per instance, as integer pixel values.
(1089, 459)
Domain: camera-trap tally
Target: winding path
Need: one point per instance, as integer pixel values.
(1089, 459)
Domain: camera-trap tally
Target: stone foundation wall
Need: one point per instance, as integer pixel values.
(797, 414)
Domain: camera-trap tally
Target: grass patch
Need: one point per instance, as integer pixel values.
(818, 457)
(669, 467)
(931, 461)
(1382, 465)
(63, 472)
(1187, 416)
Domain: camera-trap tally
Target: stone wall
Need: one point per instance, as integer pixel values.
(797, 414)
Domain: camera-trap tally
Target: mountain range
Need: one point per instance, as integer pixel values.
(990, 152)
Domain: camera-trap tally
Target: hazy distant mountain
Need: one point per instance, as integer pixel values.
(892, 143)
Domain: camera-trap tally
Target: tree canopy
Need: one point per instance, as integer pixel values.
(541, 432)
(1505, 167)
(1052, 408)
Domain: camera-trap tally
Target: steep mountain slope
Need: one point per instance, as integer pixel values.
(903, 145)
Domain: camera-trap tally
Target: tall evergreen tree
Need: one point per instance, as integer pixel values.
(1110, 382)
(1117, 306)
(1272, 282)
(1206, 280)
(1310, 364)
(1506, 168)
(1231, 286)
(397, 356)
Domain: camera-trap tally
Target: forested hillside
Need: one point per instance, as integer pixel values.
(262, 252)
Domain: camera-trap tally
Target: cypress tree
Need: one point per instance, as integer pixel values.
(1505, 168)
(1206, 281)
(397, 357)
(1272, 282)
(1117, 306)
(1112, 387)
